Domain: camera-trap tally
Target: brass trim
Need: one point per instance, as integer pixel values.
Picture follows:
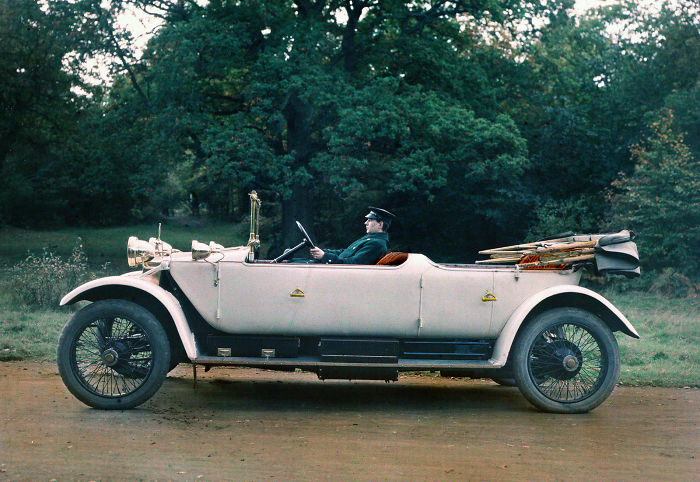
(297, 293)
(488, 296)
(254, 238)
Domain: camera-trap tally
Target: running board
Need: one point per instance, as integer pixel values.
(311, 362)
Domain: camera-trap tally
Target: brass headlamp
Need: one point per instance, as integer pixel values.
(202, 251)
(139, 252)
(147, 253)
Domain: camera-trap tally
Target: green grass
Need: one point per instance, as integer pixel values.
(104, 245)
(32, 333)
(668, 353)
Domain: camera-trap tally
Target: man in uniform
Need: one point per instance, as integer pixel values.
(366, 250)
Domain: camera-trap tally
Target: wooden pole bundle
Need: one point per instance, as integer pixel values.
(541, 253)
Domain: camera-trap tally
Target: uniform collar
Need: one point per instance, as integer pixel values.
(377, 235)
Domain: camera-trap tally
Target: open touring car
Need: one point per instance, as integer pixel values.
(519, 316)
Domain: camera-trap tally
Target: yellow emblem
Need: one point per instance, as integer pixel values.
(297, 293)
(488, 297)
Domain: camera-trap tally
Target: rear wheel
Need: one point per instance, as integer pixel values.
(566, 361)
(113, 354)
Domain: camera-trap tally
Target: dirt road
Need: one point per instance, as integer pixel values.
(251, 425)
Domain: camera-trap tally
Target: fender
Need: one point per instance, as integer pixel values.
(584, 298)
(169, 302)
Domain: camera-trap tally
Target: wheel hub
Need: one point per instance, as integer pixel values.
(110, 357)
(570, 363)
(569, 358)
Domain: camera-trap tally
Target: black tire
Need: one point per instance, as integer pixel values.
(505, 381)
(113, 355)
(566, 361)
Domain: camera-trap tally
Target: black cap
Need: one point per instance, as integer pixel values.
(380, 215)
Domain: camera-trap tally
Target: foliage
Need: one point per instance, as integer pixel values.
(40, 281)
(606, 76)
(660, 200)
(479, 123)
(38, 110)
(673, 284)
(106, 246)
(562, 216)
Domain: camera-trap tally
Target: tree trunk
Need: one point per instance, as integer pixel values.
(349, 49)
(299, 206)
(194, 203)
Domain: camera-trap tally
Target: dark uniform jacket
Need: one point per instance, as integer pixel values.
(366, 250)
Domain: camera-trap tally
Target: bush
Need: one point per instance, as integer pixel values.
(672, 283)
(41, 280)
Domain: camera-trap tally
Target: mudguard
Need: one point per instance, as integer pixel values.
(587, 299)
(169, 302)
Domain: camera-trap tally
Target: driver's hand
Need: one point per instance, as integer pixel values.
(317, 253)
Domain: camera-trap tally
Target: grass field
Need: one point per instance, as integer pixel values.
(668, 353)
(109, 244)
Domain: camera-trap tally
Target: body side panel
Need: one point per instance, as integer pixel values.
(512, 288)
(305, 299)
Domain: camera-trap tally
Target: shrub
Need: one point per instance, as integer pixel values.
(41, 280)
(672, 283)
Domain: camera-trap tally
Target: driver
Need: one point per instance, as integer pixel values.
(366, 250)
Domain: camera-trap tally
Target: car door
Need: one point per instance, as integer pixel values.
(456, 302)
(263, 298)
(361, 300)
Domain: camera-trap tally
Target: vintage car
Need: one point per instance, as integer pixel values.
(528, 323)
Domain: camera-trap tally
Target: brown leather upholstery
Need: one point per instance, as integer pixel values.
(393, 258)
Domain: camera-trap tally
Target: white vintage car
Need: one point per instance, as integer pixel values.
(515, 323)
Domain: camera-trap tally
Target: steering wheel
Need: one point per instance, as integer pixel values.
(289, 253)
(307, 238)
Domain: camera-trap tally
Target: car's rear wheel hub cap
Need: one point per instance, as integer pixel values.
(110, 357)
(570, 363)
(569, 360)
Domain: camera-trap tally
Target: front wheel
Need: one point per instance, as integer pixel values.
(113, 354)
(566, 361)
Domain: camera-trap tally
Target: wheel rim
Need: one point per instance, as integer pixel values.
(112, 357)
(566, 363)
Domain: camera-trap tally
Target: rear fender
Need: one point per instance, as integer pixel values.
(556, 297)
(131, 287)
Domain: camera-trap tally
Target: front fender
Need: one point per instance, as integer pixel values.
(554, 297)
(100, 289)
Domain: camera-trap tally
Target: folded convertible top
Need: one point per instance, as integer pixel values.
(611, 253)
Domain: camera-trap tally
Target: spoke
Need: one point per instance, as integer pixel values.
(546, 362)
(92, 340)
(133, 349)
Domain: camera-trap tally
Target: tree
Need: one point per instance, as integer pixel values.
(38, 107)
(325, 108)
(595, 83)
(660, 200)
